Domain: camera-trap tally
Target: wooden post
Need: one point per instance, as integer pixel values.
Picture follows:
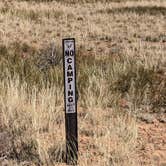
(70, 100)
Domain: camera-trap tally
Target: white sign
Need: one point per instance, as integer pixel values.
(69, 73)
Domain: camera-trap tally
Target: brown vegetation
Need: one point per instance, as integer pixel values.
(121, 75)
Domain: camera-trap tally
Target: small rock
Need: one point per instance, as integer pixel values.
(163, 38)
(162, 119)
(147, 118)
(156, 158)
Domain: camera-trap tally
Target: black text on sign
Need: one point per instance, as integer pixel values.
(69, 65)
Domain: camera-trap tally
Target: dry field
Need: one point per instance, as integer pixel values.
(121, 79)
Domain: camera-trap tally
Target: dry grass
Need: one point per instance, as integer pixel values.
(121, 70)
(34, 121)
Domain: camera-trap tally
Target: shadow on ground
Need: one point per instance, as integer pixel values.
(141, 10)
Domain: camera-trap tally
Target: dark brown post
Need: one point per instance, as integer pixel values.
(70, 100)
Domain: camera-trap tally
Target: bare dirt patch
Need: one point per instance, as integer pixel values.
(152, 143)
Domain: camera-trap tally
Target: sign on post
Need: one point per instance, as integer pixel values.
(70, 99)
